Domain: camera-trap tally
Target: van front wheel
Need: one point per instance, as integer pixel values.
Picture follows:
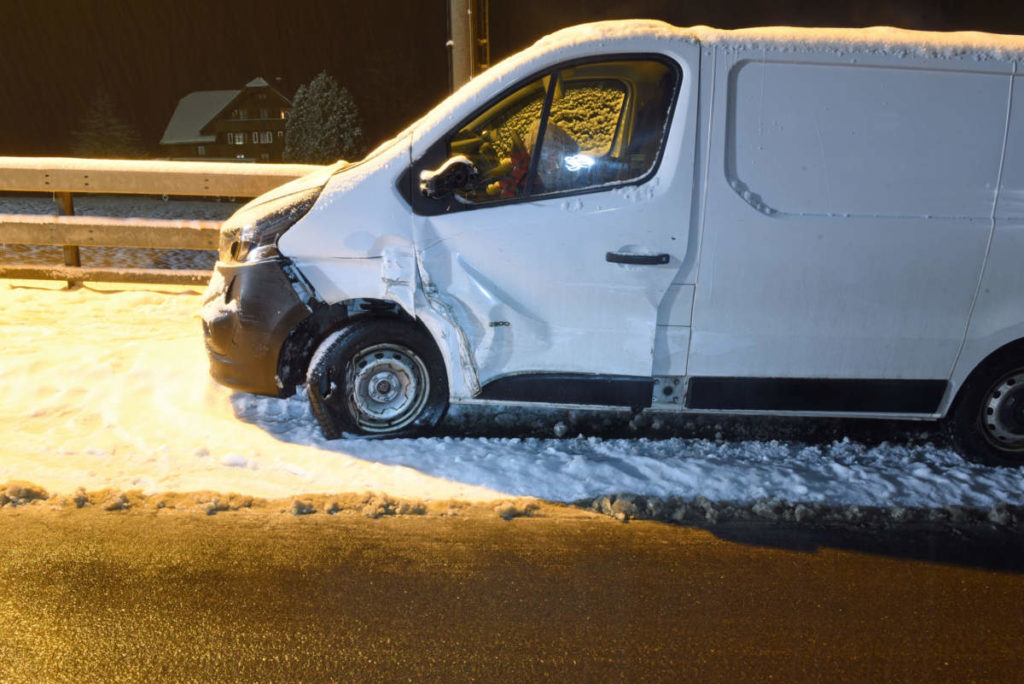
(988, 421)
(377, 377)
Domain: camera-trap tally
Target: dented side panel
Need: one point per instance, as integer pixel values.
(530, 285)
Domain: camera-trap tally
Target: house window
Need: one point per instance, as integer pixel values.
(263, 114)
(200, 150)
(264, 156)
(243, 113)
(282, 114)
(255, 137)
(280, 134)
(234, 113)
(266, 137)
(239, 156)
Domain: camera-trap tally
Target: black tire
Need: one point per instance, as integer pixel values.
(987, 422)
(378, 376)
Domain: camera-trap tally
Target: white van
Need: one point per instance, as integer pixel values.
(790, 221)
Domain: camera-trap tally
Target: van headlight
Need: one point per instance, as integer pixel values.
(252, 233)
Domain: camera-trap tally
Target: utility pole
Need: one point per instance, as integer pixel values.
(469, 40)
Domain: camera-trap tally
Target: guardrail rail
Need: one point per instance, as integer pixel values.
(67, 177)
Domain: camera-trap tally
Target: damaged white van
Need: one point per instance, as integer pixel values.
(798, 221)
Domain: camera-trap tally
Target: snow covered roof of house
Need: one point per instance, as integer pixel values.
(192, 113)
(196, 110)
(255, 83)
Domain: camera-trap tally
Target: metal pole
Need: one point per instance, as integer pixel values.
(66, 207)
(460, 41)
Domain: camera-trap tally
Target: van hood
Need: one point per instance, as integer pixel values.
(311, 181)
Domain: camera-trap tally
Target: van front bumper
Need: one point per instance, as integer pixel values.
(249, 310)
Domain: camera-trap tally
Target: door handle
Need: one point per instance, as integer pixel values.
(638, 259)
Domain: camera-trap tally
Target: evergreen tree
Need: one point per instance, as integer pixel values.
(102, 133)
(323, 124)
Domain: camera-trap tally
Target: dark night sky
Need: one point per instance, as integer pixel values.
(147, 54)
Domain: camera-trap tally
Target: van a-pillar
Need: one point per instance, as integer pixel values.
(469, 45)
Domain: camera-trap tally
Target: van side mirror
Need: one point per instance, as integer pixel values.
(458, 173)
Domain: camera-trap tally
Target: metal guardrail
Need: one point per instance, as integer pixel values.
(64, 177)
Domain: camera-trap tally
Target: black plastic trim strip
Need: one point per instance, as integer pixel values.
(572, 388)
(815, 394)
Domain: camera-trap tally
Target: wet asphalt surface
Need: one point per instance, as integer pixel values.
(142, 595)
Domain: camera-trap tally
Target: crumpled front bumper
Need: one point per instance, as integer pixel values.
(248, 312)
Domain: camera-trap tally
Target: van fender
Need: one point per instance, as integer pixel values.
(398, 276)
(439, 317)
(975, 351)
(395, 276)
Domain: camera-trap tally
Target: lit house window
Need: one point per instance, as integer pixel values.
(282, 114)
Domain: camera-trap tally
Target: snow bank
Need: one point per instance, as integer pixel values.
(107, 388)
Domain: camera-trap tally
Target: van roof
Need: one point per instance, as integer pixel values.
(876, 39)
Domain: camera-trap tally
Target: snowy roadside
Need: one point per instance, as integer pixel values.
(117, 207)
(106, 387)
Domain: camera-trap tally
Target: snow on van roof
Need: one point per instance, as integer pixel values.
(882, 40)
(876, 39)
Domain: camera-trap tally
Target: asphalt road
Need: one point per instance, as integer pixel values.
(90, 595)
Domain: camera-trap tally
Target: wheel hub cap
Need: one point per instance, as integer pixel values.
(389, 387)
(1003, 412)
(384, 387)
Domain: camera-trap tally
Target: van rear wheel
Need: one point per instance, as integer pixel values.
(377, 377)
(988, 421)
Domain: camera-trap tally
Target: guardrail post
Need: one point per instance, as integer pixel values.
(66, 207)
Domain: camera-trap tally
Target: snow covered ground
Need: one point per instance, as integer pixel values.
(107, 386)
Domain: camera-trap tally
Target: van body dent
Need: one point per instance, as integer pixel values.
(805, 221)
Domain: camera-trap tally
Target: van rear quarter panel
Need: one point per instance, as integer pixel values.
(998, 317)
(848, 213)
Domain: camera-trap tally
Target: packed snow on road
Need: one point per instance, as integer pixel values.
(106, 386)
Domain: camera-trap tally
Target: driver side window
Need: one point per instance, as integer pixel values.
(580, 127)
(496, 142)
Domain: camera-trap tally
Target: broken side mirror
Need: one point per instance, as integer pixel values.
(458, 173)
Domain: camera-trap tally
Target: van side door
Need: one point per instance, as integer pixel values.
(561, 227)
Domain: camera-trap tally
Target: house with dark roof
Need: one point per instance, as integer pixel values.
(235, 125)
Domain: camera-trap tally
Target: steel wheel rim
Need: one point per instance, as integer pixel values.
(389, 387)
(1002, 412)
